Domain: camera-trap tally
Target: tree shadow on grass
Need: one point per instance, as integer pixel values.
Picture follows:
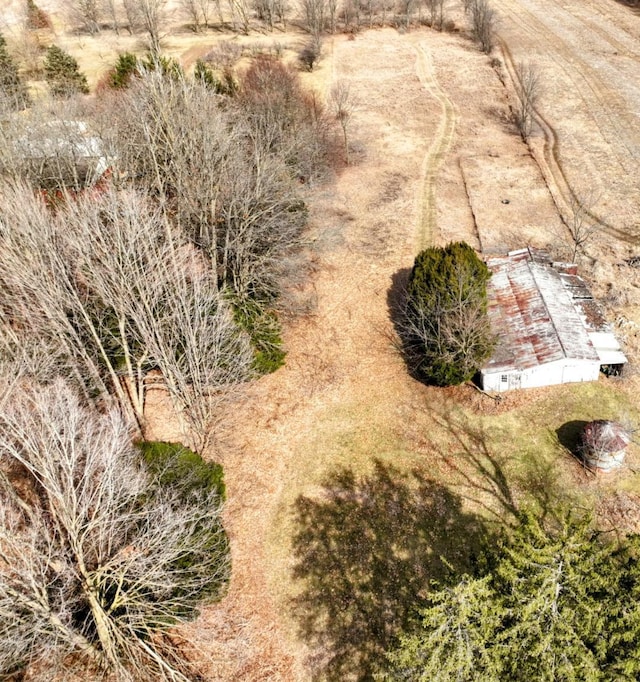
(490, 476)
(366, 550)
(481, 471)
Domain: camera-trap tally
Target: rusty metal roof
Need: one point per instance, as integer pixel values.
(602, 435)
(541, 312)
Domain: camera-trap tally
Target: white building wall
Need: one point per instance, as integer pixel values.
(558, 372)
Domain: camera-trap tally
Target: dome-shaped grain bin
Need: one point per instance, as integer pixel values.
(603, 444)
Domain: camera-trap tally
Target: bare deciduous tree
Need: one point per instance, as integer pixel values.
(225, 174)
(108, 283)
(528, 89)
(342, 107)
(96, 557)
(41, 298)
(111, 10)
(198, 349)
(147, 16)
(582, 226)
(132, 12)
(28, 51)
(436, 13)
(265, 11)
(351, 15)
(240, 15)
(332, 15)
(282, 8)
(405, 9)
(483, 24)
(314, 16)
(198, 12)
(152, 16)
(86, 13)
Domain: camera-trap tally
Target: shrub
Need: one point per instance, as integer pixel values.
(263, 328)
(174, 465)
(446, 323)
(124, 70)
(12, 89)
(62, 74)
(167, 66)
(309, 54)
(204, 74)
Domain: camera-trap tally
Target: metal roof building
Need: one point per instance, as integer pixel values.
(550, 329)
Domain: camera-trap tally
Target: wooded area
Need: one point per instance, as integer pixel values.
(145, 238)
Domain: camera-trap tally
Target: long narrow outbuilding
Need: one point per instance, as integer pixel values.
(550, 329)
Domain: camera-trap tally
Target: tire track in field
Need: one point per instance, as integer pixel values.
(605, 105)
(551, 168)
(611, 119)
(438, 148)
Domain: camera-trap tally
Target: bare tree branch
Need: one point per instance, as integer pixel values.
(108, 283)
(95, 558)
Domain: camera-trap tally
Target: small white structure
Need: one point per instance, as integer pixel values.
(64, 151)
(550, 329)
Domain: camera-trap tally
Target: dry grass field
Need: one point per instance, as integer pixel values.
(349, 483)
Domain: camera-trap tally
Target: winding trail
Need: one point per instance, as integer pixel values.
(441, 143)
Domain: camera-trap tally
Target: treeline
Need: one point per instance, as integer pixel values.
(166, 222)
(151, 17)
(146, 237)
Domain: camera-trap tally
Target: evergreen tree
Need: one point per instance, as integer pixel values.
(167, 66)
(62, 74)
(36, 17)
(552, 589)
(560, 605)
(447, 327)
(12, 90)
(204, 74)
(454, 642)
(124, 70)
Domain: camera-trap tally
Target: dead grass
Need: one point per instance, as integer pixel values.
(347, 480)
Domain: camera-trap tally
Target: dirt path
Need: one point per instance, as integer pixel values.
(343, 378)
(588, 55)
(440, 145)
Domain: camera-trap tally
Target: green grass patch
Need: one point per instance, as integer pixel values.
(383, 497)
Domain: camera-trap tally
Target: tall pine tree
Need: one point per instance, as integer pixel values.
(454, 640)
(560, 605)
